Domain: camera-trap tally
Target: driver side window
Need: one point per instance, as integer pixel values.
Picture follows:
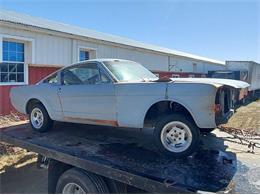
(83, 74)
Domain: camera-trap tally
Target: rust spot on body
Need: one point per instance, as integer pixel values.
(92, 121)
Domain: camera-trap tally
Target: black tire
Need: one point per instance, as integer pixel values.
(47, 122)
(183, 119)
(89, 182)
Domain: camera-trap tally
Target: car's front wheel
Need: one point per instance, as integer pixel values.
(39, 118)
(176, 135)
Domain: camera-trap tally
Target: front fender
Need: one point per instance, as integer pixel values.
(182, 102)
(198, 99)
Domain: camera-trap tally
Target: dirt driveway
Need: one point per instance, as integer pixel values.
(18, 172)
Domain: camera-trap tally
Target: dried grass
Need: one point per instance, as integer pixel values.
(11, 119)
(7, 121)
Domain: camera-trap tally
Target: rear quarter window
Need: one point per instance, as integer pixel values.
(53, 79)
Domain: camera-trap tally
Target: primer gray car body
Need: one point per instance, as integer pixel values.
(122, 104)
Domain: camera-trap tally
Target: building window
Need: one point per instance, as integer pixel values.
(83, 55)
(12, 72)
(12, 66)
(13, 51)
(191, 75)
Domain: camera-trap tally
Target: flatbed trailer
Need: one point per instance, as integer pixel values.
(121, 158)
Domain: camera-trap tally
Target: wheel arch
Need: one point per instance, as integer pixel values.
(33, 101)
(168, 102)
(30, 103)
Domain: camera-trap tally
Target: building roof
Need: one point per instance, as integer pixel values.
(242, 61)
(24, 19)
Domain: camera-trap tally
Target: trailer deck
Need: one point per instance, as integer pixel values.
(117, 154)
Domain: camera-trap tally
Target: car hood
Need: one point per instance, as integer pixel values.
(217, 82)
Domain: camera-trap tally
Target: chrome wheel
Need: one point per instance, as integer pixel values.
(72, 188)
(176, 136)
(37, 118)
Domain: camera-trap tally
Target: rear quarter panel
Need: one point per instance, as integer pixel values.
(42, 92)
(18, 97)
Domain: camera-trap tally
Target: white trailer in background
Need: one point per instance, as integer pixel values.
(253, 77)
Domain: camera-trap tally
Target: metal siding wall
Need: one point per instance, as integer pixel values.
(255, 78)
(181, 64)
(55, 50)
(150, 60)
(49, 49)
(233, 65)
(38, 73)
(187, 65)
(252, 67)
(5, 105)
(209, 67)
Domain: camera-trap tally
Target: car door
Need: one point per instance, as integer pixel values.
(87, 95)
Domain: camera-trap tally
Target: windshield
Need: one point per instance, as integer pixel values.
(129, 71)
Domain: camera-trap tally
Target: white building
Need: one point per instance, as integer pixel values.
(253, 70)
(32, 47)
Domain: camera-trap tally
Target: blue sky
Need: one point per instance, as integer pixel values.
(222, 30)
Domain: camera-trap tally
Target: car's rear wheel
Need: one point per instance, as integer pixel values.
(176, 135)
(39, 118)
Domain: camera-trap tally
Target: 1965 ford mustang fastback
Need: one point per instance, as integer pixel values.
(123, 93)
